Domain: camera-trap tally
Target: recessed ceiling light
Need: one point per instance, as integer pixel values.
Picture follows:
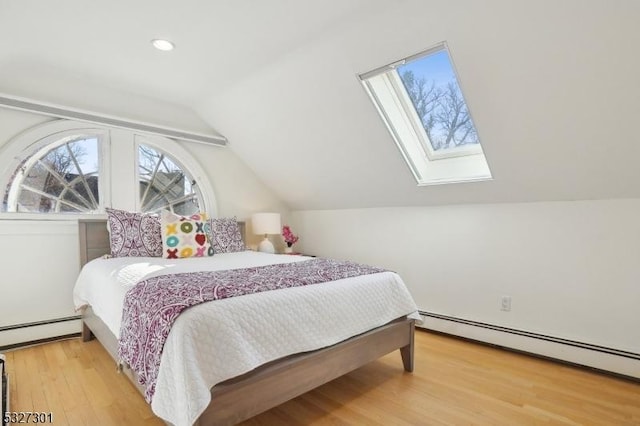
(161, 44)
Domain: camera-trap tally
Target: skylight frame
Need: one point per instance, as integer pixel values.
(394, 105)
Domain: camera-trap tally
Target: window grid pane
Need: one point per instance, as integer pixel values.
(164, 184)
(433, 88)
(64, 179)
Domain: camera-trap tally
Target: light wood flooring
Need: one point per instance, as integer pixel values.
(455, 383)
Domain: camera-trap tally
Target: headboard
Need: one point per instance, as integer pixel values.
(94, 238)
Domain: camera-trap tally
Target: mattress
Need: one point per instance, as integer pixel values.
(216, 341)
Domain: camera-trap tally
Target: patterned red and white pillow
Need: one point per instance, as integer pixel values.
(134, 234)
(185, 236)
(225, 235)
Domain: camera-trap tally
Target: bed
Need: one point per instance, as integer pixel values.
(268, 376)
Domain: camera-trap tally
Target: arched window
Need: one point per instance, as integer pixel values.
(61, 177)
(164, 184)
(68, 167)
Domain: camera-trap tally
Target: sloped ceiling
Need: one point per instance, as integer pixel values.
(552, 86)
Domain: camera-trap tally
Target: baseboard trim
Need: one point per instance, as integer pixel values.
(29, 333)
(38, 323)
(621, 363)
(532, 354)
(22, 345)
(548, 338)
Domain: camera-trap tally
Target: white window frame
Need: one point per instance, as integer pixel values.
(35, 141)
(53, 142)
(429, 167)
(182, 159)
(409, 109)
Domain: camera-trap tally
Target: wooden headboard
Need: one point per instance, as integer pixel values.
(94, 238)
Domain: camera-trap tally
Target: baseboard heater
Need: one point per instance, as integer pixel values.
(560, 340)
(36, 324)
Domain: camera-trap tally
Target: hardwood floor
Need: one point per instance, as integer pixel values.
(454, 383)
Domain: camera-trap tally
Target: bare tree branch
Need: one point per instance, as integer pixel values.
(443, 113)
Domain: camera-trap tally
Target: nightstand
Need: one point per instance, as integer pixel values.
(299, 254)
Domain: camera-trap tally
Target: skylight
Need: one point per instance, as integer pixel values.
(421, 102)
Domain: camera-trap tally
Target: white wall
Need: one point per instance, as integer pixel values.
(571, 268)
(90, 96)
(40, 258)
(542, 128)
(40, 261)
(239, 192)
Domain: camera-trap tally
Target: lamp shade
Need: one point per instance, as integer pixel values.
(266, 223)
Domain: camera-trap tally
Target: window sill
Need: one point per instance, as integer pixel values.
(50, 216)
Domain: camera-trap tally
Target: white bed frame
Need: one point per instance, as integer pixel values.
(274, 383)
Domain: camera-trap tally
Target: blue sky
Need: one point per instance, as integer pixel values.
(436, 67)
(89, 162)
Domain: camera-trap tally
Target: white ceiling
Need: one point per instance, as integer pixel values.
(552, 86)
(218, 42)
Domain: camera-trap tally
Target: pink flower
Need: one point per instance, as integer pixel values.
(288, 236)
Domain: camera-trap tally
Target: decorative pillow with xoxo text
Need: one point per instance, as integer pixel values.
(185, 236)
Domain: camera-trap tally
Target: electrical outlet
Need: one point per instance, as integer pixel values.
(505, 303)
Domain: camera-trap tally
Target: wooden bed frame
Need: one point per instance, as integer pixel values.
(274, 383)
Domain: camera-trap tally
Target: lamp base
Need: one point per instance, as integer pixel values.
(266, 246)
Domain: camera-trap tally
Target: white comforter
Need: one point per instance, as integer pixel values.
(216, 341)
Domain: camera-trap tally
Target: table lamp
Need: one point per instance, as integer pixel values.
(265, 224)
